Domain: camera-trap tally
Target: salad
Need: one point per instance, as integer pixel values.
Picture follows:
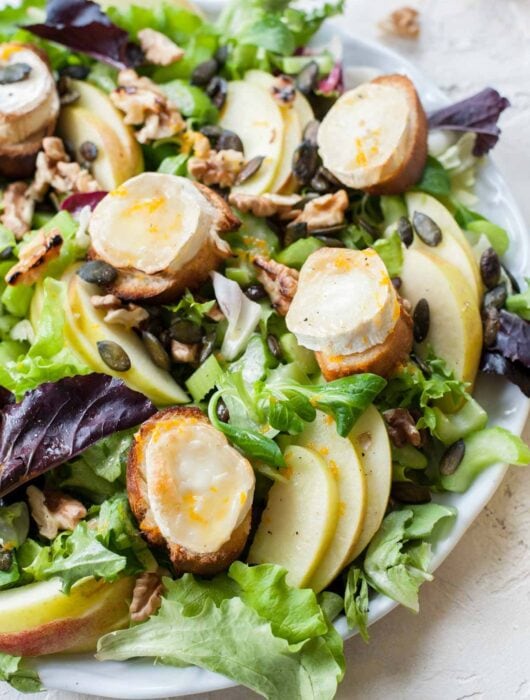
(244, 302)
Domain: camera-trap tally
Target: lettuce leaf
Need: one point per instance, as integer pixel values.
(398, 557)
(391, 251)
(13, 670)
(249, 626)
(14, 525)
(356, 601)
(520, 303)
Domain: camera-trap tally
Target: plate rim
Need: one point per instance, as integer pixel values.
(60, 670)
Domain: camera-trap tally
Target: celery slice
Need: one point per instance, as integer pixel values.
(204, 379)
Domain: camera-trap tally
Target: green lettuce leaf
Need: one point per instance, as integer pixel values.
(435, 179)
(14, 671)
(520, 303)
(356, 601)
(398, 557)
(14, 525)
(484, 449)
(391, 251)
(249, 626)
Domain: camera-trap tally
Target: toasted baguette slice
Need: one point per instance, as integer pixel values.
(375, 137)
(138, 487)
(133, 284)
(382, 359)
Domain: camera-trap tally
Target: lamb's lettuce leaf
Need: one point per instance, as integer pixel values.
(520, 303)
(356, 601)
(14, 670)
(398, 557)
(248, 625)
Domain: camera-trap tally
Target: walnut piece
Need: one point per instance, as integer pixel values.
(144, 104)
(280, 282)
(130, 316)
(266, 205)
(158, 48)
(44, 247)
(147, 596)
(105, 302)
(403, 23)
(217, 168)
(18, 209)
(182, 352)
(325, 211)
(402, 427)
(54, 511)
(54, 169)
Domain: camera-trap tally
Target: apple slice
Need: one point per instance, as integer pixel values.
(39, 619)
(255, 117)
(300, 519)
(85, 327)
(455, 332)
(370, 439)
(96, 101)
(453, 247)
(345, 466)
(113, 164)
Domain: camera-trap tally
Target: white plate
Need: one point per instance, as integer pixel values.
(505, 404)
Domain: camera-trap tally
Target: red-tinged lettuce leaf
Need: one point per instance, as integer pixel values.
(58, 420)
(514, 372)
(74, 203)
(513, 338)
(82, 26)
(478, 113)
(334, 82)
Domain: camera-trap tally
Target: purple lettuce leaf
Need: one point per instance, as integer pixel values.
(513, 338)
(478, 113)
(74, 203)
(514, 372)
(82, 26)
(58, 420)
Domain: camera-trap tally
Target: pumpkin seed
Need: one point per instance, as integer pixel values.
(404, 229)
(185, 332)
(98, 272)
(452, 458)
(217, 90)
(490, 268)
(328, 231)
(408, 492)
(311, 131)
(113, 355)
(7, 252)
(14, 73)
(6, 560)
(274, 346)
(208, 345)
(307, 79)
(156, 350)
(77, 72)
(256, 292)
(329, 241)
(221, 55)
(396, 282)
(88, 151)
(496, 297)
(212, 132)
(294, 232)
(228, 140)
(421, 364)
(516, 289)
(222, 412)
(204, 72)
(250, 169)
(324, 181)
(305, 162)
(422, 320)
(491, 322)
(428, 230)
(367, 226)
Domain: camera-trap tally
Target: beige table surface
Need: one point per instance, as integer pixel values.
(472, 636)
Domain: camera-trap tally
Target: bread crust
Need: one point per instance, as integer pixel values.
(382, 359)
(183, 560)
(132, 284)
(413, 164)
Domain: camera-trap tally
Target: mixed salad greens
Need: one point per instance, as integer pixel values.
(72, 396)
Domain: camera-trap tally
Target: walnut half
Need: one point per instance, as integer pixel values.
(280, 282)
(54, 511)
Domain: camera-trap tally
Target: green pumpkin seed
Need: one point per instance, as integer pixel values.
(427, 229)
(490, 268)
(422, 320)
(408, 492)
(98, 272)
(404, 229)
(250, 168)
(156, 351)
(114, 356)
(452, 458)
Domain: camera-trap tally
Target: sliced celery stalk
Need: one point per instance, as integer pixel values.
(204, 379)
(484, 449)
(293, 352)
(298, 252)
(408, 456)
(496, 235)
(451, 427)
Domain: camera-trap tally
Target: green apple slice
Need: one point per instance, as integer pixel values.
(370, 439)
(96, 101)
(300, 519)
(113, 164)
(453, 247)
(255, 117)
(455, 332)
(85, 327)
(345, 466)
